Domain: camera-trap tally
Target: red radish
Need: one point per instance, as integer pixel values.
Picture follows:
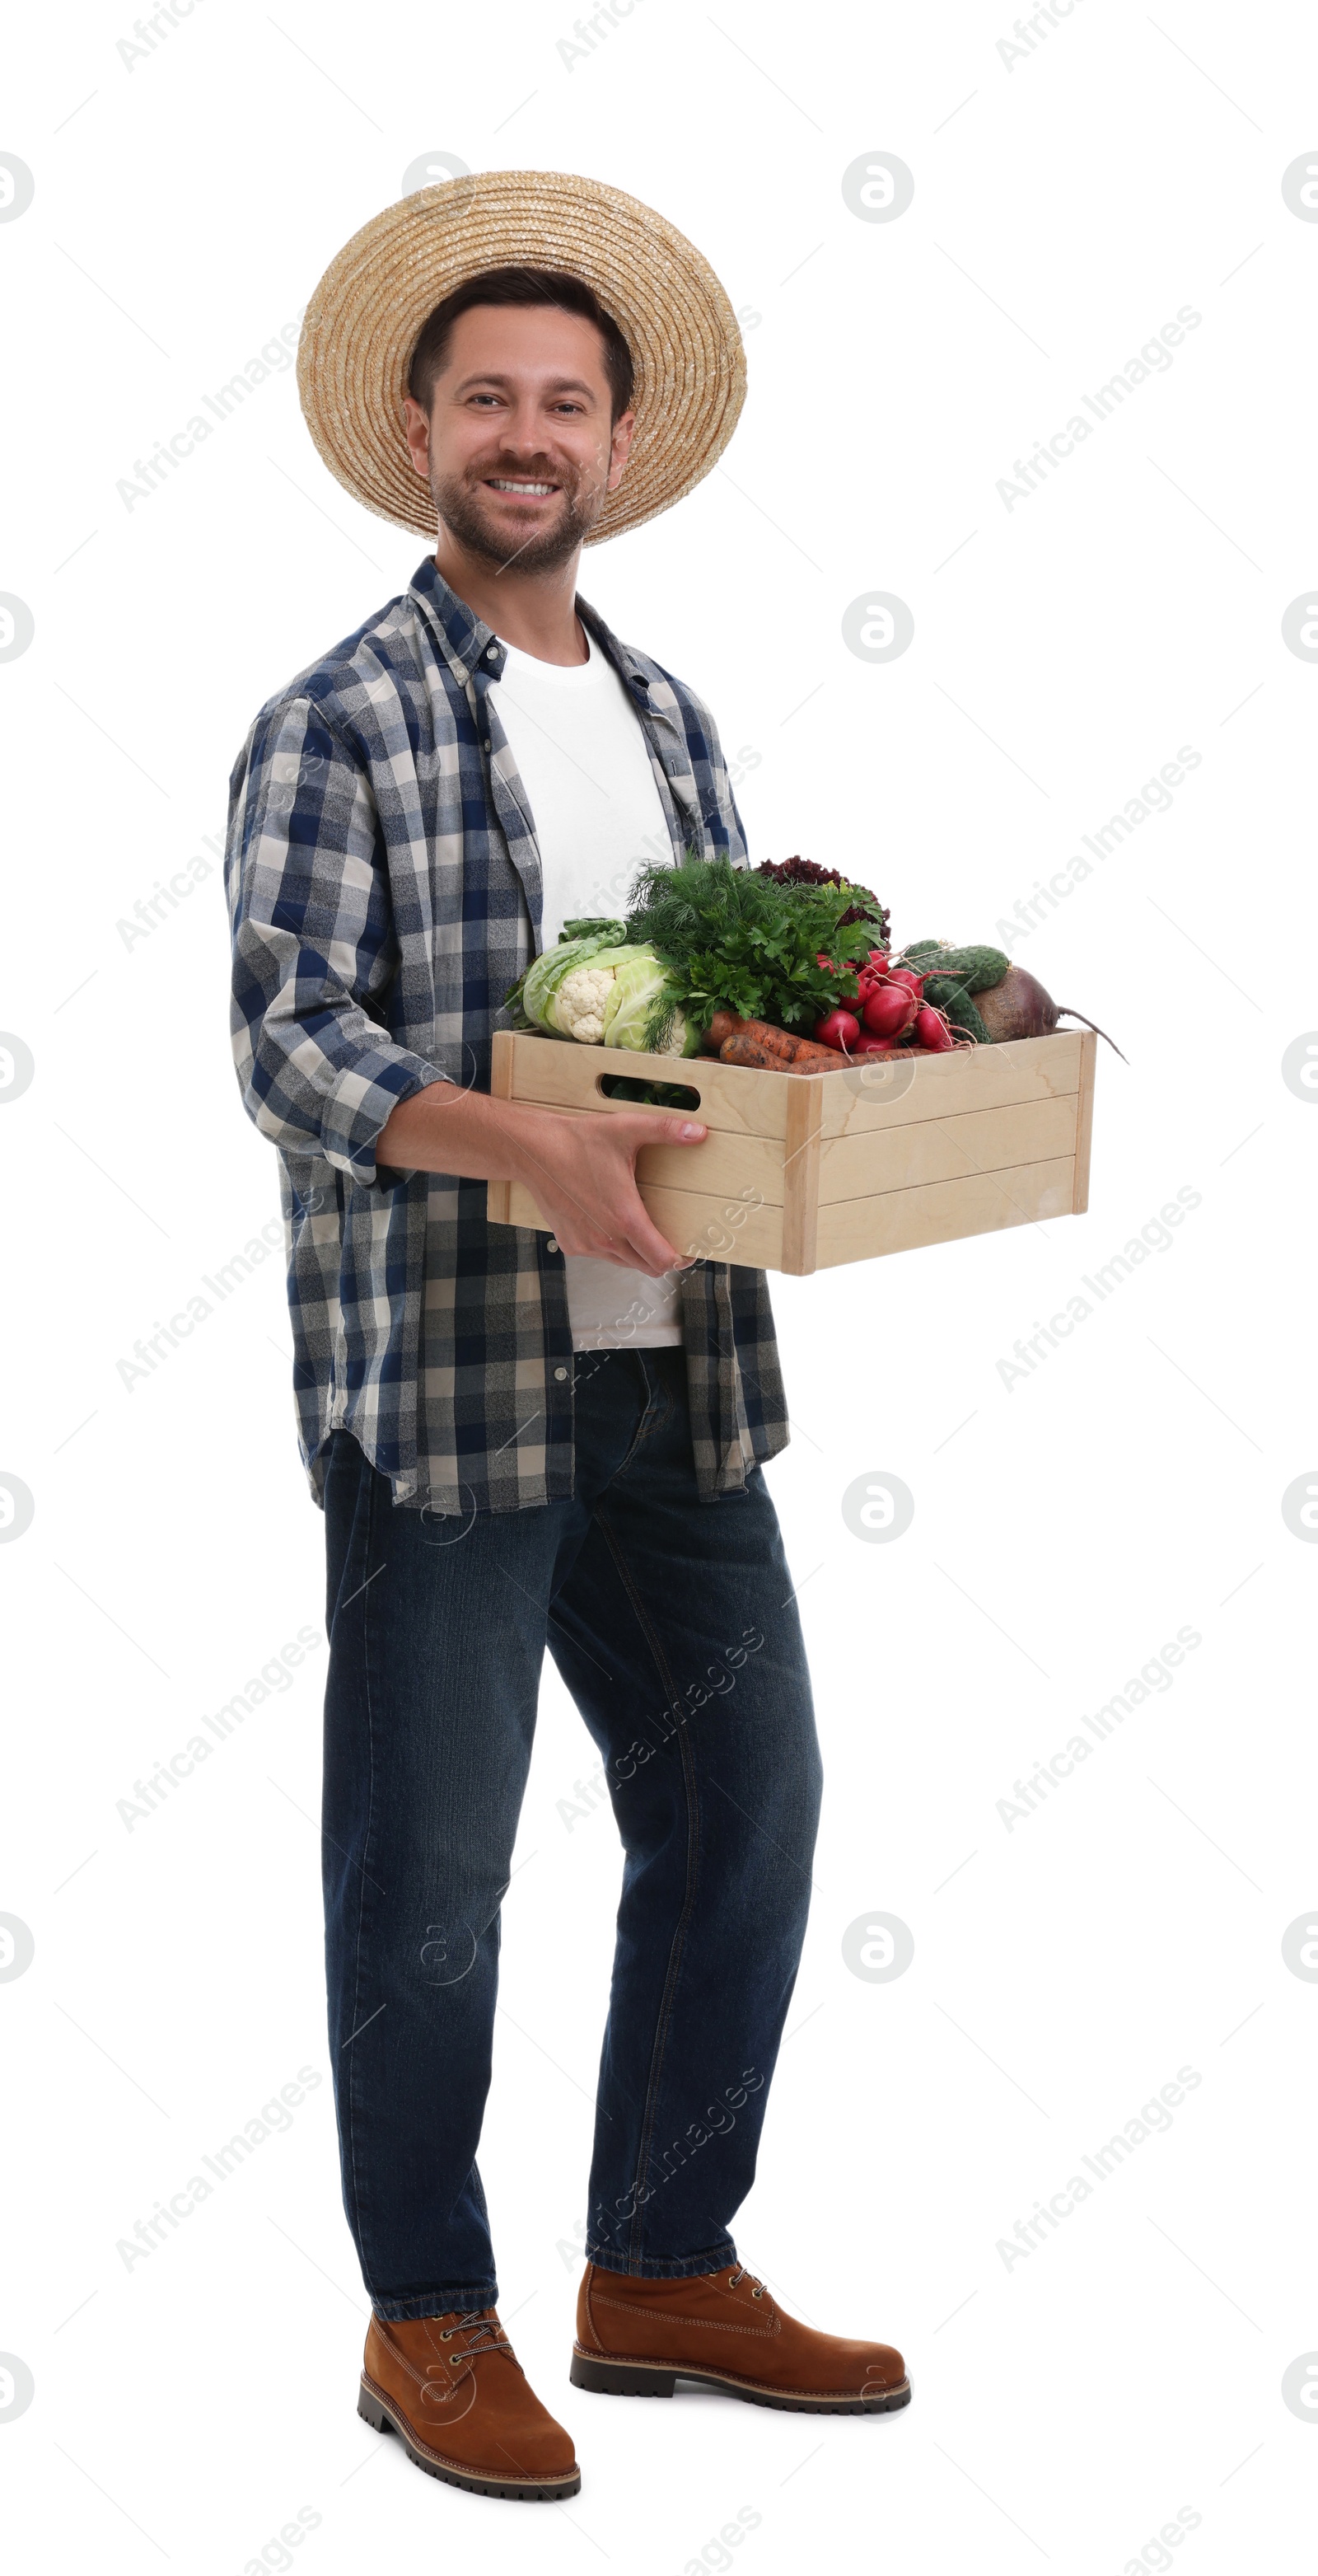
(866, 1045)
(838, 1028)
(906, 975)
(889, 1010)
(931, 1030)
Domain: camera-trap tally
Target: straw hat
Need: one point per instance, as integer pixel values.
(365, 317)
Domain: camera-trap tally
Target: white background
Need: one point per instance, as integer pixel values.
(1066, 205)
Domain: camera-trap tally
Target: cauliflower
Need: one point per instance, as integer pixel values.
(599, 991)
(640, 985)
(577, 1008)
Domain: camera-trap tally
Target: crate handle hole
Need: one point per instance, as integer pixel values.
(647, 1095)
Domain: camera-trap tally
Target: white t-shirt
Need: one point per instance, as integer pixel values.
(584, 764)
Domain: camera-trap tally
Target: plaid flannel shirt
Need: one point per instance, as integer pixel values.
(384, 892)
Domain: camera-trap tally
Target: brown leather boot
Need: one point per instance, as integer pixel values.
(636, 2338)
(452, 2387)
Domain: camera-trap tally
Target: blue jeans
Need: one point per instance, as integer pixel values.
(673, 1625)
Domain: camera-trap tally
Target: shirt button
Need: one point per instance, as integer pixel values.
(492, 652)
(552, 1245)
(485, 742)
(560, 1373)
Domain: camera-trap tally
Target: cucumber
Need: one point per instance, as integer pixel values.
(974, 969)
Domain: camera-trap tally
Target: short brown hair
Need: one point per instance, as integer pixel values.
(523, 286)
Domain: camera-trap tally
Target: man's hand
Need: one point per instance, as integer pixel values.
(581, 1171)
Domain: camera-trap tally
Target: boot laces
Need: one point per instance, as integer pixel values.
(740, 2274)
(483, 2334)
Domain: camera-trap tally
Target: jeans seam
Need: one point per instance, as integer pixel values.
(359, 2197)
(650, 2110)
(662, 2267)
(466, 2303)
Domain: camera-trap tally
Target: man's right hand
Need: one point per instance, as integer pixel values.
(581, 1171)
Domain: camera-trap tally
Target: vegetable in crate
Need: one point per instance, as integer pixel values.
(763, 945)
(890, 1009)
(1018, 1007)
(953, 976)
(642, 1005)
(600, 989)
(804, 872)
(532, 997)
(839, 1028)
(757, 1042)
(1008, 1002)
(567, 989)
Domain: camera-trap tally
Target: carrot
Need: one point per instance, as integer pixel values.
(742, 1049)
(781, 1046)
(817, 1059)
(762, 1033)
(757, 1042)
(725, 1024)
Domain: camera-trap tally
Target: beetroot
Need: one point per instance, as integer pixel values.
(1019, 1007)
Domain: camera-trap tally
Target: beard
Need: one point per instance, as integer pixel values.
(461, 504)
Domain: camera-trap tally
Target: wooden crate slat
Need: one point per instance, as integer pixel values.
(1085, 1121)
(947, 1149)
(800, 1194)
(554, 1073)
(718, 1228)
(729, 1164)
(942, 1211)
(861, 1097)
(695, 1222)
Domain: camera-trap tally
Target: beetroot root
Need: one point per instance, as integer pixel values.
(1019, 1007)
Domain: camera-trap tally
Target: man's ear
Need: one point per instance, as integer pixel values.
(416, 430)
(620, 448)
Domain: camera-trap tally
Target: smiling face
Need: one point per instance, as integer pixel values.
(518, 447)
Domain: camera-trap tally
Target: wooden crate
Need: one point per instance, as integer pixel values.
(802, 1171)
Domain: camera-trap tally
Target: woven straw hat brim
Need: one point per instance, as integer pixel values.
(365, 316)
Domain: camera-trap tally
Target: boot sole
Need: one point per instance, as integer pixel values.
(376, 2410)
(641, 2379)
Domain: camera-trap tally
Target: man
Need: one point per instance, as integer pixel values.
(521, 1438)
